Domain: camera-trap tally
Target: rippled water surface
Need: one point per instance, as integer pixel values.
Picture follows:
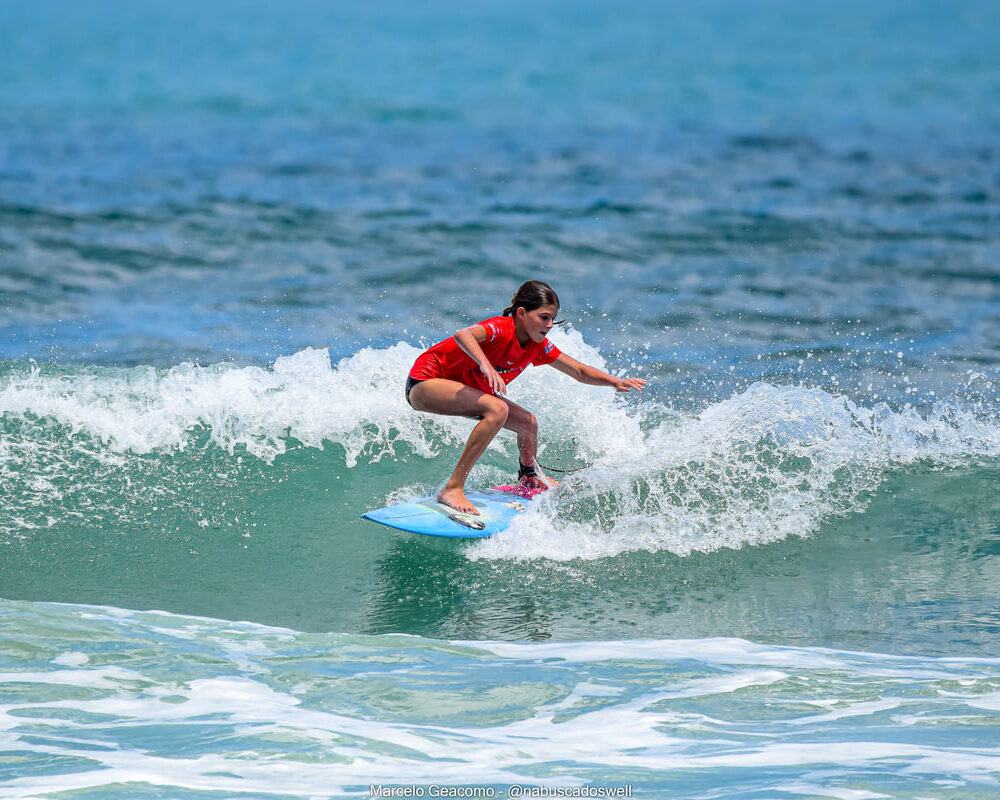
(226, 231)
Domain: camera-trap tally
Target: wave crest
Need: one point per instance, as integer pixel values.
(764, 464)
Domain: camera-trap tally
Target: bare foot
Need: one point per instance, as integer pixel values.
(456, 499)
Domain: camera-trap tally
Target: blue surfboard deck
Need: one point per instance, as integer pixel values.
(497, 509)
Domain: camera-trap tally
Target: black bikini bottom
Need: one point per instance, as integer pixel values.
(410, 383)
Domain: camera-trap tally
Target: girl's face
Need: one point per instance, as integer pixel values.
(537, 324)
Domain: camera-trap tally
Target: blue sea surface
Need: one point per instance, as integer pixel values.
(228, 229)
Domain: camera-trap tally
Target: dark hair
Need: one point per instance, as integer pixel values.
(532, 295)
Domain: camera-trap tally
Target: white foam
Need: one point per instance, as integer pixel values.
(717, 651)
(356, 404)
(320, 715)
(71, 659)
(771, 462)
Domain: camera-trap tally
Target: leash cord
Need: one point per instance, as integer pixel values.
(563, 471)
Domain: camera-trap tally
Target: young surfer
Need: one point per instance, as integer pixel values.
(467, 375)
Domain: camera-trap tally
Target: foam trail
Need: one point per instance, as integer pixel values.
(765, 464)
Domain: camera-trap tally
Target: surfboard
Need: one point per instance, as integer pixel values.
(498, 506)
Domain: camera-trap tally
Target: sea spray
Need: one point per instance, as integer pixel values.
(768, 463)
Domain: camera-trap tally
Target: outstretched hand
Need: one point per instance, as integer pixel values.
(627, 384)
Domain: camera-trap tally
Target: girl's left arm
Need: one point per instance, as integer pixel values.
(593, 376)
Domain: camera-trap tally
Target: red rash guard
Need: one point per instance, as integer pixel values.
(501, 348)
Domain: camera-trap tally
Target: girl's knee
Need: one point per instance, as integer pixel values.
(495, 410)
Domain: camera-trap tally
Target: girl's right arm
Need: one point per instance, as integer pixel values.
(595, 377)
(468, 339)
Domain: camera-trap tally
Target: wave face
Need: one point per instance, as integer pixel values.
(227, 476)
(767, 463)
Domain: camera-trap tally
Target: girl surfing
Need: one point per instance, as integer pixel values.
(467, 375)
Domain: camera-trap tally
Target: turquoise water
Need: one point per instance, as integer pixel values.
(116, 699)
(227, 231)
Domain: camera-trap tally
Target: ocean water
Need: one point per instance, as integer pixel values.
(227, 230)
